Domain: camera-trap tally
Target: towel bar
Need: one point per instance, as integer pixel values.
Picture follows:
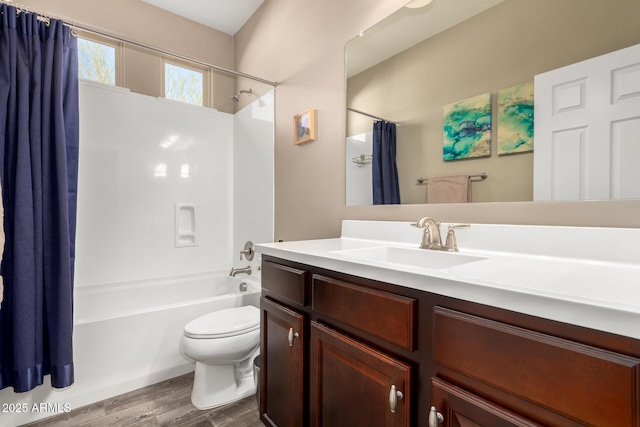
(478, 177)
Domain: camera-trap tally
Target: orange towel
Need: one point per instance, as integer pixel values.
(449, 189)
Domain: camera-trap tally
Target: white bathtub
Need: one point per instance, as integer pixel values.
(127, 336)
(106, 302)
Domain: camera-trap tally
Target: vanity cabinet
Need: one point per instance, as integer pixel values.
(378, 354)
(331, 377)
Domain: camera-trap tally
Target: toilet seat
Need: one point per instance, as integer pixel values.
(224, 323)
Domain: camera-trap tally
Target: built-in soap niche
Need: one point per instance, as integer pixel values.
(185, 225)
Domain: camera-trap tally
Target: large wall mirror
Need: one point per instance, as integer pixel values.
(410, 66)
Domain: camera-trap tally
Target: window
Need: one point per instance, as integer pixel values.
(102, 59)
(96, 61)
(184, 84)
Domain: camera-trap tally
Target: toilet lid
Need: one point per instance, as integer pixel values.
(224, 323)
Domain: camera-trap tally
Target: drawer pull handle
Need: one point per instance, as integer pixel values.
(435, 417)
(292, 336)
(394, 396)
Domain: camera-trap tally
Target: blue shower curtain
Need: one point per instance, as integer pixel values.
(386, 190)
(38, 169)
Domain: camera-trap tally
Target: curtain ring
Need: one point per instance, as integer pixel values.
(45, 19)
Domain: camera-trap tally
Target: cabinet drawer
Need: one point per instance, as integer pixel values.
(382, 314)
(286, 282)
(588, 384)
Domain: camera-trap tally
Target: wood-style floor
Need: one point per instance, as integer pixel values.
(164, 404)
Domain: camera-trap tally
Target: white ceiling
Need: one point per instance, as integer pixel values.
(227, 16)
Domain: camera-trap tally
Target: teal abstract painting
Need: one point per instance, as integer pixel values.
(515, 119)
(467, 128)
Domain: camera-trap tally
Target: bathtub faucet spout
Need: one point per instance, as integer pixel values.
(245, 270)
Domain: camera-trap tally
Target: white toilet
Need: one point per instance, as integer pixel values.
(223, 344)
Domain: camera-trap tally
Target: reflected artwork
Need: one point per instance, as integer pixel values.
(515, 119)
(467, 128)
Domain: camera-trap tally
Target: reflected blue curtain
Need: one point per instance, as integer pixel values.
(39, 169)
(386, 190)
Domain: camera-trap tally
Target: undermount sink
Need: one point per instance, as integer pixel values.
(420, 258)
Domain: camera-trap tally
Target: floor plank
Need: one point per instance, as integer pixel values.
(164, 404)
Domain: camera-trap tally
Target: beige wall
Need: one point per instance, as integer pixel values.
(301, 45)
(151, 26)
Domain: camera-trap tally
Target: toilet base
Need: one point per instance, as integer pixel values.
(217, 385)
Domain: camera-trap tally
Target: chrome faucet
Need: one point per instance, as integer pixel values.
(432, 239)
(245, 270)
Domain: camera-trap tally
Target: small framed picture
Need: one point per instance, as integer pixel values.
(304, 127)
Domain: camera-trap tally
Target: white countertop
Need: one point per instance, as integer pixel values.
(583, 276)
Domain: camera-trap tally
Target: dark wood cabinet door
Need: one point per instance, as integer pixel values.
(459, 408)
(282, 366)
(353, 385)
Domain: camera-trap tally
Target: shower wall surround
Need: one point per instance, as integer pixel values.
(253, 177)
(139, 157)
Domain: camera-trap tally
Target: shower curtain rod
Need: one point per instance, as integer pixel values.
(87, 28)
(371, 115)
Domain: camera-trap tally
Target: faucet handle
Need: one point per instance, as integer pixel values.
(415, 224)
(452, 243)
(248, 251)
(454, 226)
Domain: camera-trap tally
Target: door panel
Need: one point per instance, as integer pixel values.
(587, 118)
(282, 371)
(351, 383)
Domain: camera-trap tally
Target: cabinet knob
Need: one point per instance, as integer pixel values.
(292, 336)
(394, 396)
(435, 417)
